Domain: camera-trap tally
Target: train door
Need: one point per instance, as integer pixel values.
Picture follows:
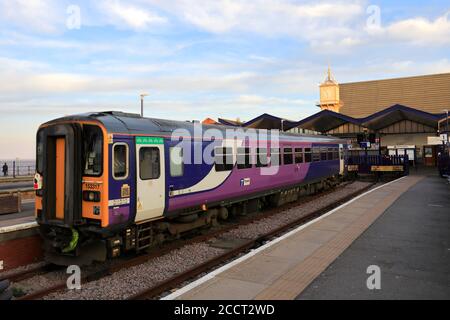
(341, 159)
(150, 177)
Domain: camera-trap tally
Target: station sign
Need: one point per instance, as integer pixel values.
(149, 140)
(386, 168)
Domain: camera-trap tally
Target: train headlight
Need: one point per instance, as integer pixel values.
(92, 196)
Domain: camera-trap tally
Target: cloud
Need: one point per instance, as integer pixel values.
(130, 16)
(421, 31)
(41, 16)
(266, 17)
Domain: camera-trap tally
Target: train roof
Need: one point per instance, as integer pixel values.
(131, 123)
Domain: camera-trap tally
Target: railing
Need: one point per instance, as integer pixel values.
(17, 170)
(378, 163)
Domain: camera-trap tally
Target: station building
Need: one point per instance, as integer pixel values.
(401, 116)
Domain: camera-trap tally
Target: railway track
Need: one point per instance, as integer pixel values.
(26, 274)
(175, 281)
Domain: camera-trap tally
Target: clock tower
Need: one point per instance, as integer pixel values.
(329, 94)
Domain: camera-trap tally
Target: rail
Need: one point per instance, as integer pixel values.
(17, 170)
(378, 163)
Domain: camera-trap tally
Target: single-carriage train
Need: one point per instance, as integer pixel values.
(112, 182)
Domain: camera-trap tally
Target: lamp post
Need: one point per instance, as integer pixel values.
(142, 103)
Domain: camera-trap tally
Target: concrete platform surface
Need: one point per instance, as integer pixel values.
(285, 267)
(12, 219)
(410, 243)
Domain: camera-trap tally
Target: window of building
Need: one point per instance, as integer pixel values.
(176, 162)
(223, 158)
(244, 158)
(308, 156)
(316, 154)
(120, 161)
(287, 156)
(149, 163)
(275, 157)
(262, 159)
(298, 156)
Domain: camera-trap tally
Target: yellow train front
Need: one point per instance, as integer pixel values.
(72, 190)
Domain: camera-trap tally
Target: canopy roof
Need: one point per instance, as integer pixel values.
(326, 120)
(268, 121)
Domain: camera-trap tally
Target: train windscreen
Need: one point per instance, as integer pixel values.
(92, 150)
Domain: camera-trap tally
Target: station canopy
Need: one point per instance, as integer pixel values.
(326, 120)
(268, 121)
(397, 113)
(323, 121)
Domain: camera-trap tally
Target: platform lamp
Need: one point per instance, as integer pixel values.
(282, 124)
(142, 102)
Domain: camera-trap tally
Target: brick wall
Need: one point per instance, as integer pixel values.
(18, 252)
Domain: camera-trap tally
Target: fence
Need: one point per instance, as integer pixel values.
(378, 163)
(18, 169)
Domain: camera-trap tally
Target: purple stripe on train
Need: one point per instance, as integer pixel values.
(233, 186)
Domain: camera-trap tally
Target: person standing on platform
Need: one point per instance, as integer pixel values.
(5, 170)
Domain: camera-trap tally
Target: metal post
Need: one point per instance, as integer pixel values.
(14, 169)
(446, 124)
(142, 103)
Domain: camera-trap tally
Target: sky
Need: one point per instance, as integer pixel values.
(197, 58)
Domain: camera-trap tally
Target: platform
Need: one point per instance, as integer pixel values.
(12, 219)
(290, 267)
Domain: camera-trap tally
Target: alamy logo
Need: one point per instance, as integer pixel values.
(74, 280)
(74, 17)
(374, 280)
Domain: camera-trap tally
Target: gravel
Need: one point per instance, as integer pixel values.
(127, 282)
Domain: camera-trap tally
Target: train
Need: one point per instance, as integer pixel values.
(110, 183)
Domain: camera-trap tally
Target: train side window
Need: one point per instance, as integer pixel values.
(176, 162)
(336, 153)
(275, 157)
(223, 158)
(298, 155)
(261, 157)
(316, 154)
(330, 154)
(308, 157)
(287, 156)
(149, 163)
(323, 154)
(243, 158)
(120, 161)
